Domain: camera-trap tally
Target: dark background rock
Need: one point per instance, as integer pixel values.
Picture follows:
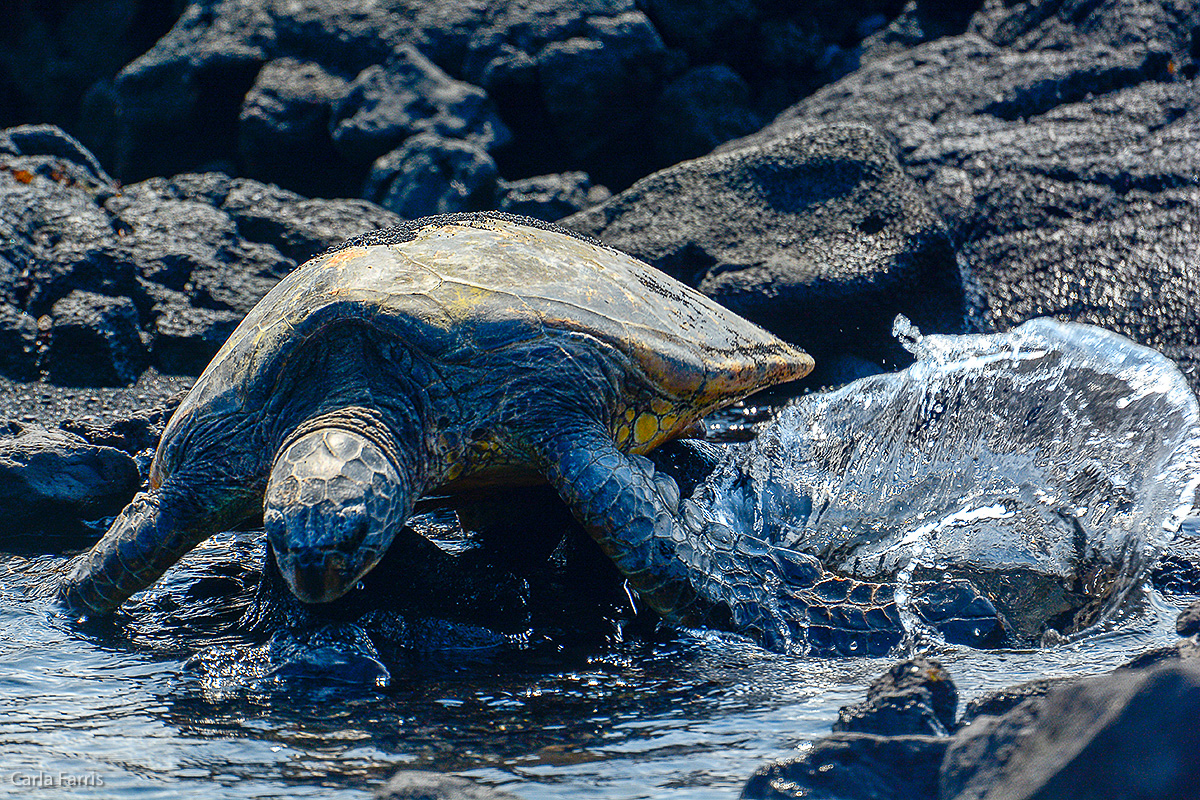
(818, 236)
(550, 197)
(51, 52)
(51, 481)
(94, 341)
(132, 433)
(18, 344)
(98, 280)
(430, 174)
(1058, 143)
(186, 338)
(577, 84)
(283, 128)
(409, 94)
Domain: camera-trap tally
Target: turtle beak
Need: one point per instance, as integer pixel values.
(315, 575)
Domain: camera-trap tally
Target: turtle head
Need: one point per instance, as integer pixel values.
(333, 503)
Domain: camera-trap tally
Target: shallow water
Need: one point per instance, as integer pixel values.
(116, 711)
(690, 717)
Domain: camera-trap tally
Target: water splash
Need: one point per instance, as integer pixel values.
(1049, 465)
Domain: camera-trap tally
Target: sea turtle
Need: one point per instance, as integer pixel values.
(466, 350)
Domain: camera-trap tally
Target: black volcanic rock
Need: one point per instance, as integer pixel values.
(50, 53)
(186, 338)
(914, 697)
(819, 237)
(169, 263)
(95, 340)
(1059, 145)
(1127, 734)
(699, 110)
(283, 128)
(50, 481)
(550, 197)
(1188, 623)
(241, 85)
(854, 766)
(18, 343)
(430, 174)
(296, 226)
(408, 94)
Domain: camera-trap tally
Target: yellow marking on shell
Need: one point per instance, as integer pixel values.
(459, 299)
(645, 429)
(661, 407)
(623, 433)
(630, 414)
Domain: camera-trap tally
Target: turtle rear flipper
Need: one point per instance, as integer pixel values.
(151, 534)
(699, 573)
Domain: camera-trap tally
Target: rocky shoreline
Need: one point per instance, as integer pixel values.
(818, 168)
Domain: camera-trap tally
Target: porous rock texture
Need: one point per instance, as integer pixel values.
(615, 88)
(51, 481)
(99, 280)
(817, 235)
(1058, 141)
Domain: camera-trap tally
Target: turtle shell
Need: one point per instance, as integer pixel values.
(456, 287)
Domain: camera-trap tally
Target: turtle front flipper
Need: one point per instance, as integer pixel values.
(152, 533)
(698, 572)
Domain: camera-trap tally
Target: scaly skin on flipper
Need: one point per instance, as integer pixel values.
(697, 573)
(157, 528)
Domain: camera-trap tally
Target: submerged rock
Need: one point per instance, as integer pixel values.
(1048, 467)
